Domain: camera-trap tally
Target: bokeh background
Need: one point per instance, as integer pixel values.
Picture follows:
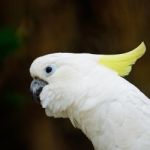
(30, 28)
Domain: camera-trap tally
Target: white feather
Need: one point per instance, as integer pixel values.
(112, 112)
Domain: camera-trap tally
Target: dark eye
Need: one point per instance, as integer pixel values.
(48, 69)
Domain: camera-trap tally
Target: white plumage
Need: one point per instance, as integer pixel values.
(112, 112)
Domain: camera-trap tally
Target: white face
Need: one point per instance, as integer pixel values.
(63, 78)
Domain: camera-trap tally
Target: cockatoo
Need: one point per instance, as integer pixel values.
(90, 90)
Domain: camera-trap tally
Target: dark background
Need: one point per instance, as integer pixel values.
(30, 28)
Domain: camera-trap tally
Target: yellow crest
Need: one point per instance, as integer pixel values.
(122, 63)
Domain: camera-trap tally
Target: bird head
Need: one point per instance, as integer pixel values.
(62, 80)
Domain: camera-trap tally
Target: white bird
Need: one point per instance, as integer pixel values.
(90, 90)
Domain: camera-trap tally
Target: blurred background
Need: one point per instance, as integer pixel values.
(30, 28)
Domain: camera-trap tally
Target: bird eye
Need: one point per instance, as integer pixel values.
(48, 69)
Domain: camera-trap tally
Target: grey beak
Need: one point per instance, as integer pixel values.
(36, 88)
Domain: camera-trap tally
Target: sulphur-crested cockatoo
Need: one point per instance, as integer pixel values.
(90, 91)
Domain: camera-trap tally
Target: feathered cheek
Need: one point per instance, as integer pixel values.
(46, 96)
(55, 101)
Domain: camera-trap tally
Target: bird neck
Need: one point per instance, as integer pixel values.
(90, 123)
(92, 114)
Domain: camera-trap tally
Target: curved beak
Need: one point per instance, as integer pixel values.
(36, 88)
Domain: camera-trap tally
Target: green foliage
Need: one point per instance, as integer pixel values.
(10, 41)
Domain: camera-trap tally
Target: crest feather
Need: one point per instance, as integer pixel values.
(122, 63)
